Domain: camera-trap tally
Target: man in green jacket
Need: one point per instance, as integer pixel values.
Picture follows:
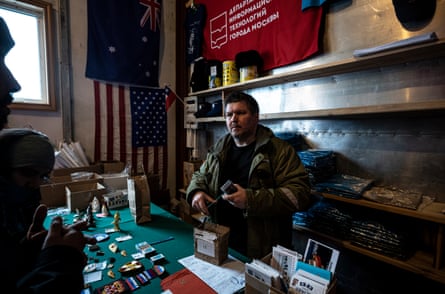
(270, 180)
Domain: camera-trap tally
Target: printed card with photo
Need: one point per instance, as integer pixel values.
(321, 255)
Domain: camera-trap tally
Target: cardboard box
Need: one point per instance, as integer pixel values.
(111, 167)
(76, 177)
(79, 195)
(96, 168)
(185, 207)
(189, 168)
(115, 182)
(212, 242)
(255, 286)
(54, 195)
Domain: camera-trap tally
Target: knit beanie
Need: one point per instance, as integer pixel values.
(26, 148)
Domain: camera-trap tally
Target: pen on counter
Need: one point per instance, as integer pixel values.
(161, 241)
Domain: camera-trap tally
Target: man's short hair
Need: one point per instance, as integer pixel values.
(252, 104)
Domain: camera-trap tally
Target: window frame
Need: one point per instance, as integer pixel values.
(48, 23)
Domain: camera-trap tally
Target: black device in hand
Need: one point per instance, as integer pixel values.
(228, 187)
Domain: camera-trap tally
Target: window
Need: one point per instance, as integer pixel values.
(31, 59)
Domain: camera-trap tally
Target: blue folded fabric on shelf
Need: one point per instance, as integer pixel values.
(294, 139)
(344, 185)
(203, 109)
(216, 109)
(332, 218)
(206, 109)
(324, 216)
(390, 240)
(320, 164)
(317, 158)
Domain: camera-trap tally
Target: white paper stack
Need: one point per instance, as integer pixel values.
(263, 272)
(70, 155)
(285, 261)
(309, 279)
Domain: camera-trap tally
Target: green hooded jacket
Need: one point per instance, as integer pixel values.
(278, 187)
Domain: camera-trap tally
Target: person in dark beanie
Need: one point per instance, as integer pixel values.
(8, 83)
(26, 157)
(35, 260)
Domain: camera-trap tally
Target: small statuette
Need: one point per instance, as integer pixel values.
(110, 273)
(95, 205)
(113, 247)
(116, 221)
(104, 211)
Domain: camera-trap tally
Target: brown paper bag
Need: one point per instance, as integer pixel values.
(139, 198)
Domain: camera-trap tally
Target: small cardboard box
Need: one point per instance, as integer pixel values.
(255, 286)
(114, 182)
(54, 195)
(189, 168)
(76, 177)
(212, 242)
(79, 195)
(96, 168)
(185, 207)
(110, 167)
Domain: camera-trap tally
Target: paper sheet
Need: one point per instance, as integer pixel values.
(227, 278)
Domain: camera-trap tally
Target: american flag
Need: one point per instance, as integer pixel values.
(114, 131)
(149, 117)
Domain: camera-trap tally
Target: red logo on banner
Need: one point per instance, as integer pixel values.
(279, 30)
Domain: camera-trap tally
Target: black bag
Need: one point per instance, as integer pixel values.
(200, 76)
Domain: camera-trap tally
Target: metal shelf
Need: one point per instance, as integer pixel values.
(388, 58)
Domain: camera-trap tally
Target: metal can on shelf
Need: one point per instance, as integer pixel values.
(230, 73)
(248, 73)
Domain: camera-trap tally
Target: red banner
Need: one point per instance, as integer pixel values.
(278, 29)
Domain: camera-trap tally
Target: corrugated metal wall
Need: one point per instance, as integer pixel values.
(404, 149)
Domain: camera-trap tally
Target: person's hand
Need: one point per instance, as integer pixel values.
(58, 234)
(200, 200)
(36, 231)
(70, 236)
(237, 199)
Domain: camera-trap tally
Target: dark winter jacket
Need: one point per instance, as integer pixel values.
(278, 186)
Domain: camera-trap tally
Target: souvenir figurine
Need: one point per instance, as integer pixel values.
(117, 219)
(105, 210)
(90, 217)
(95, 205)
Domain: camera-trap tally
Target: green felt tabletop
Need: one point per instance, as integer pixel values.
(162, 226)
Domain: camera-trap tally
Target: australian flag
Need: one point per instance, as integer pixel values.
(123, 41)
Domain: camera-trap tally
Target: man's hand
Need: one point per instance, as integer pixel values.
(200, 200)
(237, 199)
